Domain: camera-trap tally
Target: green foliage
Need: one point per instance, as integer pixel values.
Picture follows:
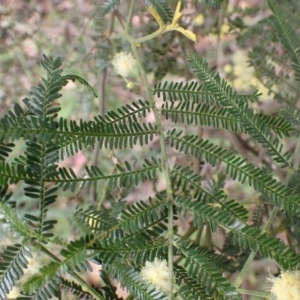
(110, 5)
(287, 36)
(162, 8)
(213, 3)
(199, 267)
(12, 265)
(123, 237)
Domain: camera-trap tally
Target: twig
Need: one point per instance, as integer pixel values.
(165, 167)
(101, 108)
(82, 32)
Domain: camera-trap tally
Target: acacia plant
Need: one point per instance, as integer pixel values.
(140, 244)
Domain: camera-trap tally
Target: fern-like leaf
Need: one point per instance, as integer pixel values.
(67, 179)
(280, 83)
(184, 176)
(204, 271)
(125, 114)
(20, 227)
(75, 256)
(141, 215)
(191, 290)
(191, 112)
(244, 235)
(91, 221)
(199, 114)
(5, 149)
(213, 3)
(292, 115)
(41, 101)
(162, 9)
(250, 123)
(110, 5)
(114, 248)
(12, 174)
(43, 286)
(83, 82)
(238, 169)
(12, 263)
(5, 196)
(287, 35)
(183, 92)
(131, 279)
(107, 292)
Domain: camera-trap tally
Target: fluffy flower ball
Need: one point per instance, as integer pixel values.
(124, 63)
(286, 286)
(157, 273)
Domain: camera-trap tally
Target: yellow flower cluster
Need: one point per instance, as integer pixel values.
(245, 76)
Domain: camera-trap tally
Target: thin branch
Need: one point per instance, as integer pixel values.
(165, 167)
(82, 32)
(101, 108)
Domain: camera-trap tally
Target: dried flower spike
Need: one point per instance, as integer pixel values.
(124, 63)
(286, 286)
(175, 26)
(157, 273)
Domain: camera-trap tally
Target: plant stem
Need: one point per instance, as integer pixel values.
(101, 109)
(254, 293)
(296, 157)
(81, 33)
(165, 167)
(129, 18)
(143, 39)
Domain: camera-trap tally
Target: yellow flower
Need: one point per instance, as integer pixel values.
(225, 28)
(130, 85)
(157, 273)
(228, 68)
(124, 63)
(199, 20)
(286, 286)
